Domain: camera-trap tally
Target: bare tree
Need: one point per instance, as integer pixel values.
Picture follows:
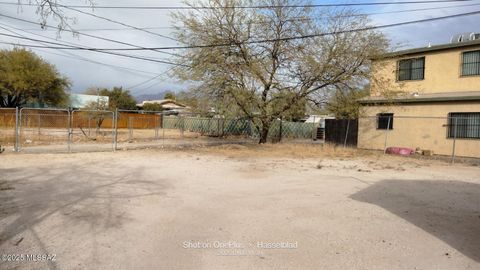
(265, 62)
(53, 9)
(98, 111)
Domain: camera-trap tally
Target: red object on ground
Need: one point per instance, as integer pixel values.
(402, 151)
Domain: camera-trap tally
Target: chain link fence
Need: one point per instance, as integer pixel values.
(63, 130)
(50, 130)
(92, 130)
(292, 131)
(40, 128)
(7, 127)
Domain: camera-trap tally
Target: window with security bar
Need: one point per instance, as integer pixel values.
(385, 121)
(411, 69)
(464, 125)
(471, 63)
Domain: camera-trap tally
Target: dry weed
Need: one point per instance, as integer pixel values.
(301, 151)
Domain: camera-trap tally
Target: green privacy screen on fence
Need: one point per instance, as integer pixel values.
(229, 127)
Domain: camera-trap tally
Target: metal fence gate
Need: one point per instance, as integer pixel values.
(8, 120)
(92, 130)
(43, 129)
(62, 130)
(133, 126)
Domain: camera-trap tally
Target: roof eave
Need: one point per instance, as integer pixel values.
(422, 50)
(420, 100)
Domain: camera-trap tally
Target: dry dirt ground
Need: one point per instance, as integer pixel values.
(227, 207)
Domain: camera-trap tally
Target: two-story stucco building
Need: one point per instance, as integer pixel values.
(425, 98)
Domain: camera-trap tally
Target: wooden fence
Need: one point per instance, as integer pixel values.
(339, 131)
(59, 119)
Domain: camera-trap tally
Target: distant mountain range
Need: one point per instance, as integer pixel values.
(156, 96)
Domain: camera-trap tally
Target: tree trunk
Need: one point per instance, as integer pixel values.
(99, 125)
(11, 101)
(264, 133)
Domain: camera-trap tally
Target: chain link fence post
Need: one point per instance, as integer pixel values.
(89, 126)
(454, 140)
(386, 135)
(17, 130)
(280, 131)
(69, 136)
(221, 127)
(182, 121)
(130, 128)
(313, 128)
(39, 120)
(346, 134)
(115, 132)
(156, 124)
(163, 129)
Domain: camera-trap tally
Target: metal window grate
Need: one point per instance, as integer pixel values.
(464, 125)
(471, 63)
(385, 121)
(411, 69)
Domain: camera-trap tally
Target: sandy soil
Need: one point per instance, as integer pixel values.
(172, 209)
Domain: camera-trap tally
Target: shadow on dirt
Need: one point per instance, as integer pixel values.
(89, 200)
(449, 210)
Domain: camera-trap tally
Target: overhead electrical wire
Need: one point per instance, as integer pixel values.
(293, 19)
(323, 34)
(280, 39)
(144, 90)
(87, 35)
(70, 47)
(71, 55)
(74, 56)
(145, 29)
(66, 42)
(149, 80)
(159, 49)
(242, 7)
(77, 57)
(117, 22)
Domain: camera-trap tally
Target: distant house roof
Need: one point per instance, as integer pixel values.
(441, 47)
(81, 101)
(416, 98)
(168, 104)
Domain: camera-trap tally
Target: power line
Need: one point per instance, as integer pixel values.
(151, 79)
(143, 90)
(84, 34)
(242, 7)
(278, 39)
(293, 19)
(71, 55)
(77, 57)
(69, 47)
(112, 29)
(117, 22)
(63, 42)
(147, 81)
(324, 34)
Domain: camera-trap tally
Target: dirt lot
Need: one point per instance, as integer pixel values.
(227, 208)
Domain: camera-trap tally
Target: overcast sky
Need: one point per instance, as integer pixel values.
(85, 74)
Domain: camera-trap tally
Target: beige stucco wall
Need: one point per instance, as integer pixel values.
(442, 74)
(425, 133)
